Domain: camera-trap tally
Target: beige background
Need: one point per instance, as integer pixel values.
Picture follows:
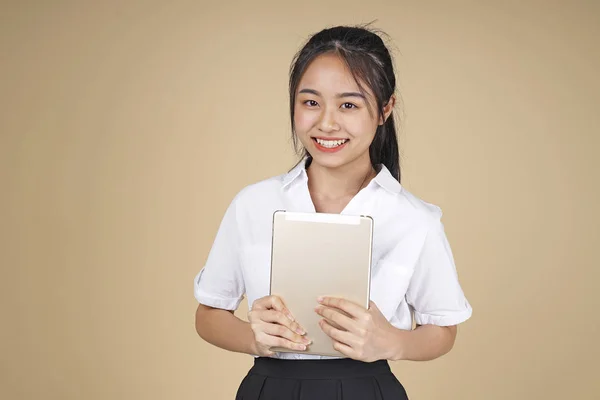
(127, 127)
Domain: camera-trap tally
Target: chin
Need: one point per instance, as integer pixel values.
(328, 160)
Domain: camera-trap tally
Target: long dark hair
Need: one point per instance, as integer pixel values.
(370, 62)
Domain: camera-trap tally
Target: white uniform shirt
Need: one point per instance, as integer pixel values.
(413, 268)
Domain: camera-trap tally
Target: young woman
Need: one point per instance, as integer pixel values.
(342, 98)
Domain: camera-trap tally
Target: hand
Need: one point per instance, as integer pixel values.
(274, 326)
(357, 333)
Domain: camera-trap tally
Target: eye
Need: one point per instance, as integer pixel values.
(348, 105)
(311, 103)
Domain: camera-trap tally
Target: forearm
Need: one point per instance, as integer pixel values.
(223, 329)
(426, 342)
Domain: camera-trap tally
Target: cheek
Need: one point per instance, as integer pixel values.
(304, 120)
(360, 126)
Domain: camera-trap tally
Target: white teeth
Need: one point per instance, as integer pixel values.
(331, 143)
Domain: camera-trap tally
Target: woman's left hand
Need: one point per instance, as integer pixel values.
(365, 335)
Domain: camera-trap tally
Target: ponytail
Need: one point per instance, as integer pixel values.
(384, 148)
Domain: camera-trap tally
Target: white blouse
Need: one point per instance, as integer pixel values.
(413, 270)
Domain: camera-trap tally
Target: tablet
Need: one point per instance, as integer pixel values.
(319, 254)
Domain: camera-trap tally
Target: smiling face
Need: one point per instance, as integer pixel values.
(331, 116)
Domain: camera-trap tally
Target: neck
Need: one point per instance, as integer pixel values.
(334, 183)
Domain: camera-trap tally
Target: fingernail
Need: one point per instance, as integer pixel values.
(301, 347)
(320, 299)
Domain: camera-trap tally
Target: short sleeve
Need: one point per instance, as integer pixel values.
(220, 282)
(434, 292)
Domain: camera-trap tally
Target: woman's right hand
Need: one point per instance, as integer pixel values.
(274, 326)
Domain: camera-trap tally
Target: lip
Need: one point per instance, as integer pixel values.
(327, 149)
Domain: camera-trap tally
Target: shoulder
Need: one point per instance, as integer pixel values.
(414, 208)
(251, 194)
(428, 210)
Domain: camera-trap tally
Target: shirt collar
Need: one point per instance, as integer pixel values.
(386, 180)
(299, 171)
(383, 178)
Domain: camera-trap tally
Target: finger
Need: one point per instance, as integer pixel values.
(276, 341)
(269, 302)
(339, 319)
(351, 308)
(284, 332)
(274, 303)
(278, 304)
(273, 316)
(266, 352)
(344, 337)
(345, 350)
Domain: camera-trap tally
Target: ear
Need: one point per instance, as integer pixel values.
(387, 109)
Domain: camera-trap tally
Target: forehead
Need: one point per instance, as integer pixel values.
(329, 75)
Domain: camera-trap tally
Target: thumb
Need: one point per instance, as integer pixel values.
(373, 306)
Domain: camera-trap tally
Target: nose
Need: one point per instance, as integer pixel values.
(327, 122)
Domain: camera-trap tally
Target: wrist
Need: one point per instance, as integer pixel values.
(251, 347)
(396, 344)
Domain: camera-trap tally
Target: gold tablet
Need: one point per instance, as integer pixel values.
(319, 254)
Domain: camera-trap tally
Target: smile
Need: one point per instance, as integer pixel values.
(330, 144)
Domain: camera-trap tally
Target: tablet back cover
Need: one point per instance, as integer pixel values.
(316, 254)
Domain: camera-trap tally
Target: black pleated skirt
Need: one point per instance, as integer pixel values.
(330, 379)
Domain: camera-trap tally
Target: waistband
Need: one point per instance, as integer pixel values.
(318, 369)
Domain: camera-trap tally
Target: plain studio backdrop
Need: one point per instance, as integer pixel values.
(126, 128)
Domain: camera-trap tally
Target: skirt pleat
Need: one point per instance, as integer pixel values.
(318, 389)
(251, 387)
(360, 388)
(333, 379)
(390, 387)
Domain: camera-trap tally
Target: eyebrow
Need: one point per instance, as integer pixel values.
(339, 95)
